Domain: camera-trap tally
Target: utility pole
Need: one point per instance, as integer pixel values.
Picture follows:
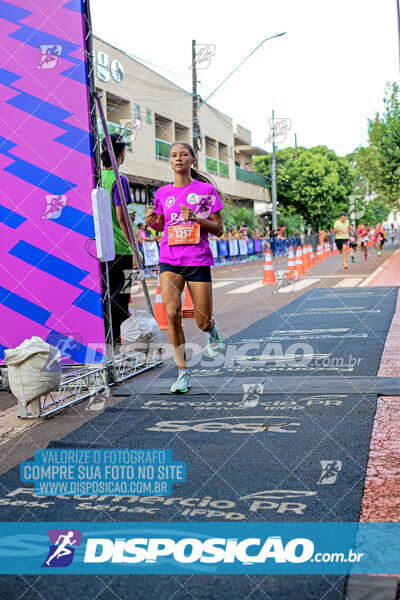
(295, 146)
(195, 104)
(273, 183)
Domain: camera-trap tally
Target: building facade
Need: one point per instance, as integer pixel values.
(151, 113)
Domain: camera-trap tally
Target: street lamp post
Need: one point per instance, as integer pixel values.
(273, 179)
(240, 64)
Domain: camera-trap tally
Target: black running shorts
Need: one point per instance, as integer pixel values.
(199, 273)
(340, 243)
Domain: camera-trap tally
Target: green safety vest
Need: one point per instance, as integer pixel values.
(121, 243)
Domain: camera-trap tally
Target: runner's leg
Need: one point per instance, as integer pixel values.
(201, 292)
(172, 286)
(342, 247)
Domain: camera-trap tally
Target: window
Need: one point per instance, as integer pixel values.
(148, 116)
(136, 111)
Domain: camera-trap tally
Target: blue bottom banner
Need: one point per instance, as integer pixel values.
(200, 548)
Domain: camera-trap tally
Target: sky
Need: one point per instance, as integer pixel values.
(327, 74)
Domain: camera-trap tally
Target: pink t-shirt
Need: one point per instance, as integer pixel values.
(204, 200)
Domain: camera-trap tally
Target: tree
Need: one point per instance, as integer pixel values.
(379, 162)
(315, 186)
(375, 212)
(235, 216)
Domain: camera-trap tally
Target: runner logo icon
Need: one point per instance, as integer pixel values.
(330, 471)
(170, 201)
(62, 547)
(251, 394)
(192, 198)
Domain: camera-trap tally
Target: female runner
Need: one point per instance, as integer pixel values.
(362, 233)
(187, 210)
(352, 241)
(380, 235)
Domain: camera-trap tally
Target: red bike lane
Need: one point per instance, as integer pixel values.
(381, 500)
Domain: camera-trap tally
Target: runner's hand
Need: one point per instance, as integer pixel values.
(151, 216)
(187, 213)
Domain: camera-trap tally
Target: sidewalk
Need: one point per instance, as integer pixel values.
(381, 500)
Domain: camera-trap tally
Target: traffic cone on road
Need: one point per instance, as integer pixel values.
(269, 273)
(311, 256)
(335, 250)
(291, 264)
(160, 314)
(328, 249)
(188, 308)
(306, 260)
(299, 261)
(319, 254)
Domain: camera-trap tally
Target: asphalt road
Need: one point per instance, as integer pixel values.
(334, 314)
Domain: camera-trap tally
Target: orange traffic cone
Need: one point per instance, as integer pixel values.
(305, 258)
(328, 249)
(188, 308)
(160, 314)
(269, 273)
(299, 261)
(291, 263)
(319, 253)
(311, 256)
(335, 250)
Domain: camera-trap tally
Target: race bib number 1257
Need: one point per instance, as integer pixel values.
(184, 233)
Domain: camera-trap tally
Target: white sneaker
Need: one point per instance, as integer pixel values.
(214, 342)
(182, 384)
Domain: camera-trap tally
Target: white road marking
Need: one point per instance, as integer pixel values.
(299, 285)
(310, 331)
(349, 282)
(220, 284)
(247, 288)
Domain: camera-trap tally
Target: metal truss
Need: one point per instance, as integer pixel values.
(128, 365)
(81, 382)
(4, 385)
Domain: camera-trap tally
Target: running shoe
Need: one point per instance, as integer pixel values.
(379, 253)
(352, 259)
(366, 255)
(182, 384)
(214, 342)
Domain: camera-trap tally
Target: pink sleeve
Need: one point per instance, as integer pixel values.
(216, 203)
(157, 204)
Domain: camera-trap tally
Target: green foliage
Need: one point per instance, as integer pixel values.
(379, 163)
(235, 216)
(316, 185)
(293, 223)
(375, 212)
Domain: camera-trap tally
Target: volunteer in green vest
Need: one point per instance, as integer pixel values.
(121, 267)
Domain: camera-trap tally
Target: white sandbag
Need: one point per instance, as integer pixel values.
(34, 369)
(140, 331)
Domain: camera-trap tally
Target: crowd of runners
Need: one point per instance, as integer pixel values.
(364, 238)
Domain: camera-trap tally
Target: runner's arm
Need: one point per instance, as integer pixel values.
(213, 224)
(155, 220)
